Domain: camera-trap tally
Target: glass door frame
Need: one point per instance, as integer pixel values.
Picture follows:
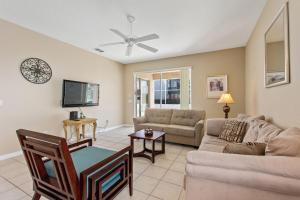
(158, 70)
(139, 104)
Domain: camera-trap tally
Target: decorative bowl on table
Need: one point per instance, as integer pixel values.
(148, 132)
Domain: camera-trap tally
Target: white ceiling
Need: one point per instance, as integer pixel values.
(184, 26)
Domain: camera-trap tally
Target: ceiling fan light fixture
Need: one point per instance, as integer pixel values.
(130, 18)
(131, 40)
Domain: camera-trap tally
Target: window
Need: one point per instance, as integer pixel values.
(167, 91)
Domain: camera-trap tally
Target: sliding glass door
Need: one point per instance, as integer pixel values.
(142, 96)
(165, 89)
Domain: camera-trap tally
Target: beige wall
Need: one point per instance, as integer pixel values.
(37, 107)
(281, 103)
(230, 62)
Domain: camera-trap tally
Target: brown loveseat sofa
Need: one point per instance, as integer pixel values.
(181, 126)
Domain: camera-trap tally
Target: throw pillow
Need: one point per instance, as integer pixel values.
(233, 131)
(287, 143)
(266, 132)
(253, 129)
(250, 148)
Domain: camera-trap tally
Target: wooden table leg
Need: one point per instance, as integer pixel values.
(163, 146)
(130, 167)
(36, 196)
(66, 132)
(144, 145)
(153, 151)
(83, 131)
(77, 133)
(94, 130)
(132, 144)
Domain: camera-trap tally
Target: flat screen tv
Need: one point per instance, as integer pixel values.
(80, 94)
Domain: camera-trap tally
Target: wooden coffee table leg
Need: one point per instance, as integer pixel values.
(153, 151)
(163, 144)
(132, 144)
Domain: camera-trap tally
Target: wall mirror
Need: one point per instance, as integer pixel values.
(277, 50)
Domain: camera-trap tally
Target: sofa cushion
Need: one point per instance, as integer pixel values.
(212, 143)
(154, 126)
(161, 116)
(187, 117)
(233, 131)
(245, 148)
(287, 143)
(186, 131)
(215, 126)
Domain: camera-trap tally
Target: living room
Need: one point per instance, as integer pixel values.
(210, 48)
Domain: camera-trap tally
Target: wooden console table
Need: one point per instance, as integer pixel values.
(80, 124)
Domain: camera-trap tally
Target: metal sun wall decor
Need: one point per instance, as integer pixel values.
(36, 70)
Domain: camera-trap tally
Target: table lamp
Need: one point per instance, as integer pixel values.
(227, 99)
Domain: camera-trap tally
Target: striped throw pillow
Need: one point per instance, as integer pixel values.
(233, 131)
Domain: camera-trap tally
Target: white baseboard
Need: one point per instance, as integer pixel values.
(112, 128)
(10, 155)
(18, 153)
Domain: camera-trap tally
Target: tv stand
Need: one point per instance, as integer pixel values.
(80, 123)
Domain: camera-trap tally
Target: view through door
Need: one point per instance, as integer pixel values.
(163, 89)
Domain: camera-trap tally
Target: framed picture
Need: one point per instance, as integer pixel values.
(216, 86)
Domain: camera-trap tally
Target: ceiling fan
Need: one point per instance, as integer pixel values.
(131, 40)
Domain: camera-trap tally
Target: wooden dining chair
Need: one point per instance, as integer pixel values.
(78, 171)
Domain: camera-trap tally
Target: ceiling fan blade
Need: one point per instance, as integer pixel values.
(119, 33)
(129, 50)
(111, 43)
(147, 37)
(146, 47)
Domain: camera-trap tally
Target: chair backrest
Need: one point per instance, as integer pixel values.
(39, 148)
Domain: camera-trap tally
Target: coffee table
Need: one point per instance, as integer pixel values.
(157, 135)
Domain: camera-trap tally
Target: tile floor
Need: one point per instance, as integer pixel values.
(162, 180)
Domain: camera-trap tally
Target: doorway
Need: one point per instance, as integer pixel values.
(162, 89)
(142, 96)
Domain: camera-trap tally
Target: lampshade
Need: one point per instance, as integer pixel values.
(1, 103)
(226, 98)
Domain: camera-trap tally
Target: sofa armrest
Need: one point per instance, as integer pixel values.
(271, 173)
(199, 124)
(199, 132)
(139, 120)
(214, 126)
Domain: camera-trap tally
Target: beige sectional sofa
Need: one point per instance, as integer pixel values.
(181, 126)
(213, 175)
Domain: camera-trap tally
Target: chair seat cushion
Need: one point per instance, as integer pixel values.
(85, 158)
